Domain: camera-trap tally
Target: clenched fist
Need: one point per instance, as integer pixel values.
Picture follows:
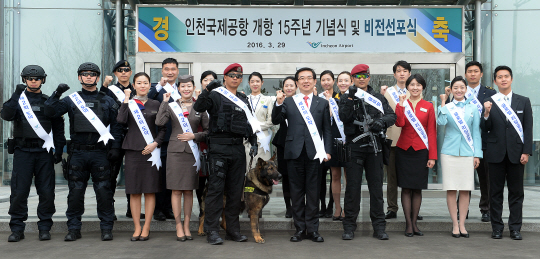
(280, 97)
(402, 98)
(443, 99)
(383, 89)
(163, 81)
(487, 108)
(327, 95)
(127, 92)
(107, 81)
(447, 90)
(62, 88)
(166, 97)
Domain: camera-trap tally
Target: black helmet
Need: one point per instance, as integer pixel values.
(34, 71)
(88, 66)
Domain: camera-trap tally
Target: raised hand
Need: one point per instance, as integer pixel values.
(163, 81)
(107, 81)
(62, 88)
(127, 92)
(447, 90)
(327, 95)
(383, 89)
(487, 108)
(280, 97)
(166, 97)
(402, 98)
(18, 90)
(443, 99)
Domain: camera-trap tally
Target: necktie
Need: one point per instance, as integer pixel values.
(305, 100)
(506, 99)
(460, 104)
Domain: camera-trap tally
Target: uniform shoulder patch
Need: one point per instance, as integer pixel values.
(115, 105)
(489, 87)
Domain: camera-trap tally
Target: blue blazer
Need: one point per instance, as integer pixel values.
(454, 142)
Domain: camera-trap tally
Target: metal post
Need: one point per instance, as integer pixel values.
(478, 30)
(119, 28)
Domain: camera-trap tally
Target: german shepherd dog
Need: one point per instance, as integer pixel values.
(257, 190)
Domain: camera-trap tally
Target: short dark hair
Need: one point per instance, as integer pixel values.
(474, 63)
(139, 75)
(403, 64)
(328, 72)
(302, 70)
(418, 78)
(169, 61)
(346, 73)
(257, 74)
(207, 73)
(457, 79)
(288, 78)
(499, 68)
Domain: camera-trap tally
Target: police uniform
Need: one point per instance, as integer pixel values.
(228, 128)
(31, 160)
(363, 156)
(87, 156)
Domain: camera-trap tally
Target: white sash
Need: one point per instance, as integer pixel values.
(509, 113)
(145, 130)
(463, 127)
(335, 111)
(370, 99)
(312, 127)
(264, 140)
(91, 117)
(174, 93)
(117, 92)
(186, 127)
(255, 126)
(416, 123)
(34, 122)
(470, 95)
(394, 94)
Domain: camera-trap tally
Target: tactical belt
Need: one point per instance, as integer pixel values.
(31, 143)
(80, 147)
(226, 141)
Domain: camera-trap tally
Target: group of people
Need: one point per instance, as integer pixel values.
(175, 139)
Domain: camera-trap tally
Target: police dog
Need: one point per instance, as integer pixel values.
(257, 190)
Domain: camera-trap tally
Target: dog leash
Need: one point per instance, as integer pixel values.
(245, 178)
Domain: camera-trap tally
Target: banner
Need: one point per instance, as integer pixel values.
(298, 29)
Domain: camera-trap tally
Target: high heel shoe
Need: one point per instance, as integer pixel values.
(418, 233)
(466, 235)
(409, 234)
(181, 239)
(141, 238)
(135, 238)
(340, 218)
(456, 235)
(189, 238)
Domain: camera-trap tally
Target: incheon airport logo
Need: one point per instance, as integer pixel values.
(314, 44)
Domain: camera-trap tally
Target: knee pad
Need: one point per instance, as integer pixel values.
(77, 174)
(219, 168)
(101, 173)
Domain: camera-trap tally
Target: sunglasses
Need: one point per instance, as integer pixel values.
(125, 69)
(34, 78)
(238, 76)
(359, 76)
(91, 74)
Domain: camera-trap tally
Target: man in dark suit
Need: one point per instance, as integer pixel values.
(303, 152)
(509, 145)
(169, 71)
(473, 74)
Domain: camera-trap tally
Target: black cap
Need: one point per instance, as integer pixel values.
(121, 63)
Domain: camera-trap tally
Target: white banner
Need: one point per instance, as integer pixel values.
(147, 134)
(186, 127)
(34, 122)
(509, 113)
(312, 127)
(255, 125)
(91, 117)
(462, 125)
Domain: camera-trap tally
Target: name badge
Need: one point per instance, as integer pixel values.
(90, 105)
(238, 109)
(519, 112)
(264, 106)
(423, 109)
(37, 108)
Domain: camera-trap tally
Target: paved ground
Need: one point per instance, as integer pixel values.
(164, 245)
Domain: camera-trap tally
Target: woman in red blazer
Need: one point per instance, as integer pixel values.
(413, 157)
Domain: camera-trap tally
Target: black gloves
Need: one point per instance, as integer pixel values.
(58, 157)
(113, 154)
(19, 90)
(213, 85)
(377, 126)
(61, 89)
(352, 91)
(254, 150)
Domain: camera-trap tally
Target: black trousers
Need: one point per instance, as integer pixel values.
(163, 198)
(27, 165)
(200, 191)
(228, 167)
(322, 192)
(283, 170)
(513, 175)
(82, 165)
(305, 182)
(373, 165)
(483, 178)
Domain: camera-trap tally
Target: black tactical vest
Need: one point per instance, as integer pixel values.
(230, 119)
(23, 129)
(80, 124)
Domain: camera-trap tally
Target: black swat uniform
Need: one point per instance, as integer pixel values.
(228, 128)
(87, 156)
(362, 156)
(30, 159)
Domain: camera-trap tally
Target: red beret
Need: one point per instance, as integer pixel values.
(360, 68)
(233, 67)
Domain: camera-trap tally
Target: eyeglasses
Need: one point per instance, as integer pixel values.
(238, 76)
(91, 74)
(359, 76)
(34, 79)
(125, 69)
(305, 78)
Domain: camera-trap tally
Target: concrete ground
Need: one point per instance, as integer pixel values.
(164, 245)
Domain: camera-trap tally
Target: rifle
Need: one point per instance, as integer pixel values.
(365, 126)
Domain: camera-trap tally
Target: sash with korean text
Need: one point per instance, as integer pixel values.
(472, 97)
(155, 157)
(509, 113)
(186, 127)
(34, 122)
(255, 125)
(370, 99)
(462, 125)
(416, 124)
(117, 92)
(103, 131)
(335, 111)
(394, 94)
(174, 93)
(312, 127)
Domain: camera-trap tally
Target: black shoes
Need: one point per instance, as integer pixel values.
(390, 215)
(159, 216)
(44, 235)
(515, 235)
(497, 234)
(169, 214)
(409, 234)
(347, 235)
(16, 236)
(456, 235)
(316, 237)
(466, 235)
(236, 236)
(288, 213)
(73, 235)
(381, 235)
(321, 213)
(298, 236)
(419, 233)
(106, 235)
(328, 214)
(420, 217)
(338, 218)
(485, 217)
(213, 238)
(128, 215)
